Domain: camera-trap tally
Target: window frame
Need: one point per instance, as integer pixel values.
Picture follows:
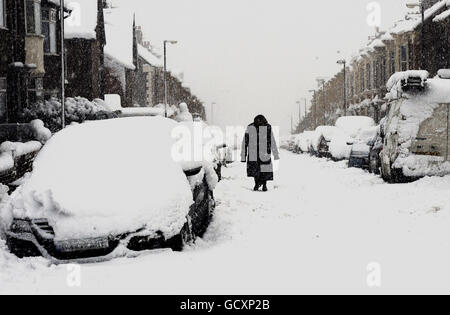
(37, 18)
(392, 62)
(4, 96)
(403, 58)
(35, 90)
(50, 19)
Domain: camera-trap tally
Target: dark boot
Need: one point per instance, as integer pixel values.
(265, 186)
(257, 185)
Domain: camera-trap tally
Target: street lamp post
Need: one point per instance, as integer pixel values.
(63, 70)
(343, 62)
(173, 42)
(321, 82)
(313, 109)
(212, 112)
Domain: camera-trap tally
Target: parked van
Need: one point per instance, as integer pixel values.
(417, 134)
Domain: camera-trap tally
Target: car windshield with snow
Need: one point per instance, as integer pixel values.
(417, 141)
(73, 205)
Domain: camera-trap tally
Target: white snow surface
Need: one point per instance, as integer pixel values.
(304, 140)
(83, 19)
(352, 125)
(106, 177)
(183, 113)
(319, 230)
(17, 149)
(339, 147)
(41, 133)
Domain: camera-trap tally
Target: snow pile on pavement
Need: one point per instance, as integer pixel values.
(141, 111)
(17, 149)
(6, 161)
(106, 177)
(40, 132)
(184, 114)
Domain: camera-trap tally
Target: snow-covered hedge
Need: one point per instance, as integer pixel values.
(10, 150)
(77, 110)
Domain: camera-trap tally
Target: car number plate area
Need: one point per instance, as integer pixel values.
(82, 245)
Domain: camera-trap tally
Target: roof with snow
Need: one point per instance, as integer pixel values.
(83, 20)
(412, 21)
(118, 28)
(149, 57)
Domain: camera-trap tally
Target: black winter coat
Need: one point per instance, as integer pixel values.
(257, 148)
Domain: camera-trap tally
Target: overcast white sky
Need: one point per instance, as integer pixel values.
(258, 56)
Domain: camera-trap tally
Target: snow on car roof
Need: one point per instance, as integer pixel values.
(107, 177)
(352, 125)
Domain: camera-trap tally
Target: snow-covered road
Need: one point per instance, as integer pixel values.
(322, 228)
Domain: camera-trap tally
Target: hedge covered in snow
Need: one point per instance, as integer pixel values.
(77, 110)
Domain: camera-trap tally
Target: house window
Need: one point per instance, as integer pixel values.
(33, 12)
(2, 13)
(35, 90)
(3, 108)
(369, 77)
(404, 58)
(392, 63)
(49, 30)
(362, 81)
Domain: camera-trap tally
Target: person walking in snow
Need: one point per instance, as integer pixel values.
(257, 148)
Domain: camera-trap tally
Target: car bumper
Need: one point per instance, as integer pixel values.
(359, 162)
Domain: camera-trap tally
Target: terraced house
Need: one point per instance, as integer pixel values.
(408, 45)
(108, 55)
(30, 63)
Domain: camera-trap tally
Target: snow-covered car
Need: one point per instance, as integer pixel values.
(360, 153)
(326, 142)
(304, 141)
(375, 151)
(417, 133)
(351, 128)
(106, 188)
